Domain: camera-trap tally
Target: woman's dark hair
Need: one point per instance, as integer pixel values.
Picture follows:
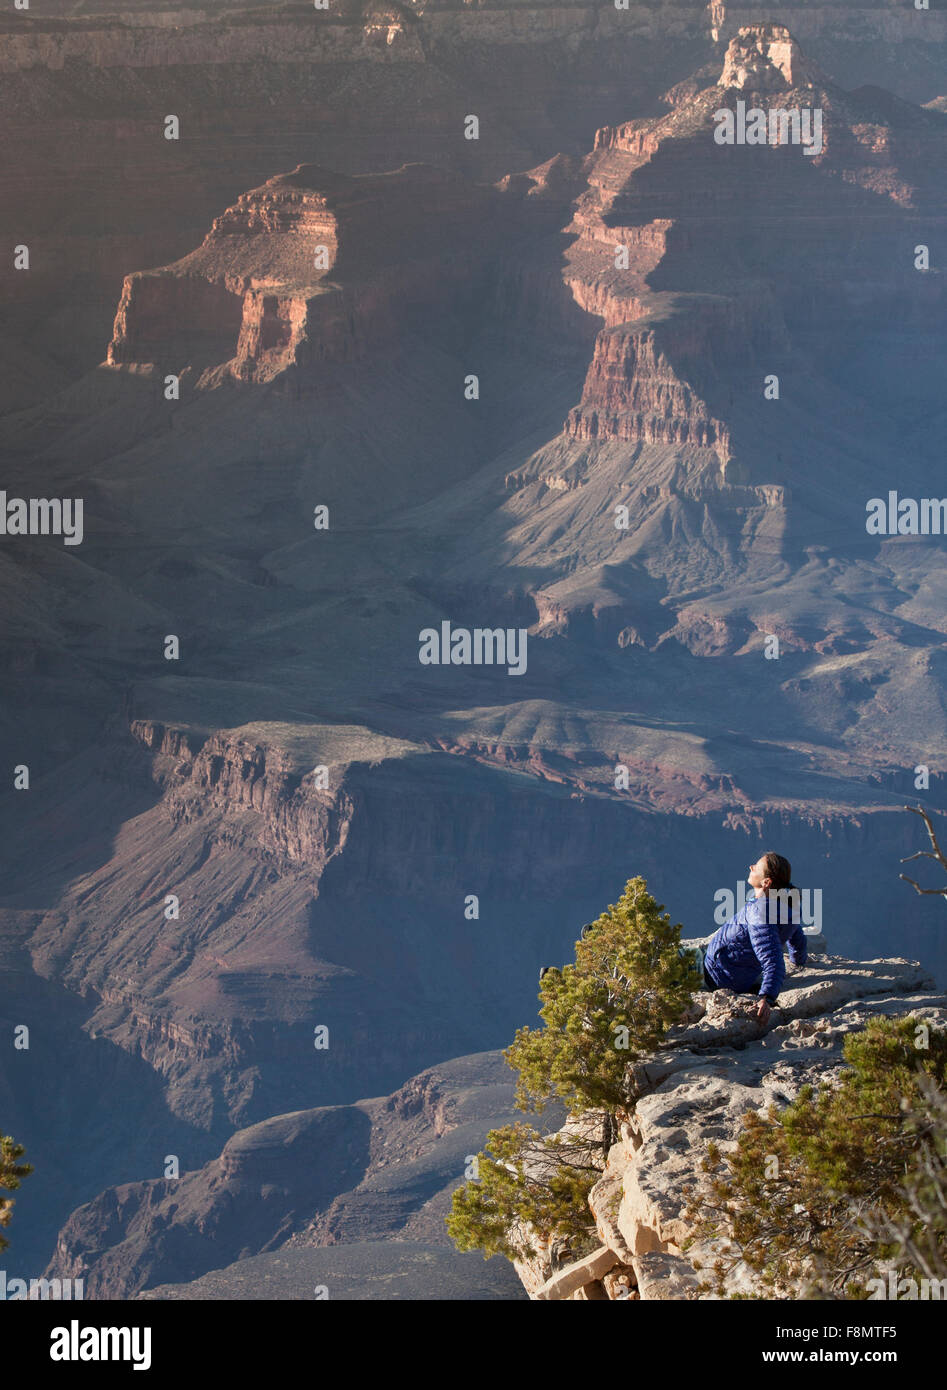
(778, 870)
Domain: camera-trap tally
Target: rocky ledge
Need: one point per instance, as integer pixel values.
(716, 1067)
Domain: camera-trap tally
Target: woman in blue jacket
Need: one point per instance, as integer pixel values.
(746, 954)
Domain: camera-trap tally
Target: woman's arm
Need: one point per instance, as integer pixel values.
(768, 950)
(798, 946)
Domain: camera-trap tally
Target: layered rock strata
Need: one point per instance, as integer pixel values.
(304, 271)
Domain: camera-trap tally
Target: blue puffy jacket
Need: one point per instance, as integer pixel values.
(750, 945)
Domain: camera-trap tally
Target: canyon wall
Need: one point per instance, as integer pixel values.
(301, 909)
(93, 88)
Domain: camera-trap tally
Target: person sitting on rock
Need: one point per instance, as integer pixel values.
(746, 954)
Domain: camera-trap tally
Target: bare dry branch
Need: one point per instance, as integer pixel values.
(934, 892)
(938, 852)
(935, 853)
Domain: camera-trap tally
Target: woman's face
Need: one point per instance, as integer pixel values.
(758, 877)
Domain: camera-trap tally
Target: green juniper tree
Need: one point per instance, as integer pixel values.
(11, 1172)
(628, 984)
(912, 1239)
(818, 1196)
(529, 1185)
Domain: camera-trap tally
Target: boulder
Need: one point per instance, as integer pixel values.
(577, 1276)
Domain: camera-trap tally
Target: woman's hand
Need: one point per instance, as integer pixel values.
(763, 1011)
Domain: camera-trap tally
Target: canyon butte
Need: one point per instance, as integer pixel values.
(525, 377)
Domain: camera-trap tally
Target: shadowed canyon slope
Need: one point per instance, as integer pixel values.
(525, 376)
(379, 1170)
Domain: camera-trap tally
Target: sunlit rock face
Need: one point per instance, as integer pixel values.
(766, 58)
(698, 1088)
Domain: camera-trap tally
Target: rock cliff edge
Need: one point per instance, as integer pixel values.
(713, 1070)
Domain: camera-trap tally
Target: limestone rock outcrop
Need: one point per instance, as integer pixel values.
(697, 1089)
(313, 267)
(765, 57)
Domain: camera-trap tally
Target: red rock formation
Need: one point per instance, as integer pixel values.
(653, 226)
(313, 267)
(766, 58)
